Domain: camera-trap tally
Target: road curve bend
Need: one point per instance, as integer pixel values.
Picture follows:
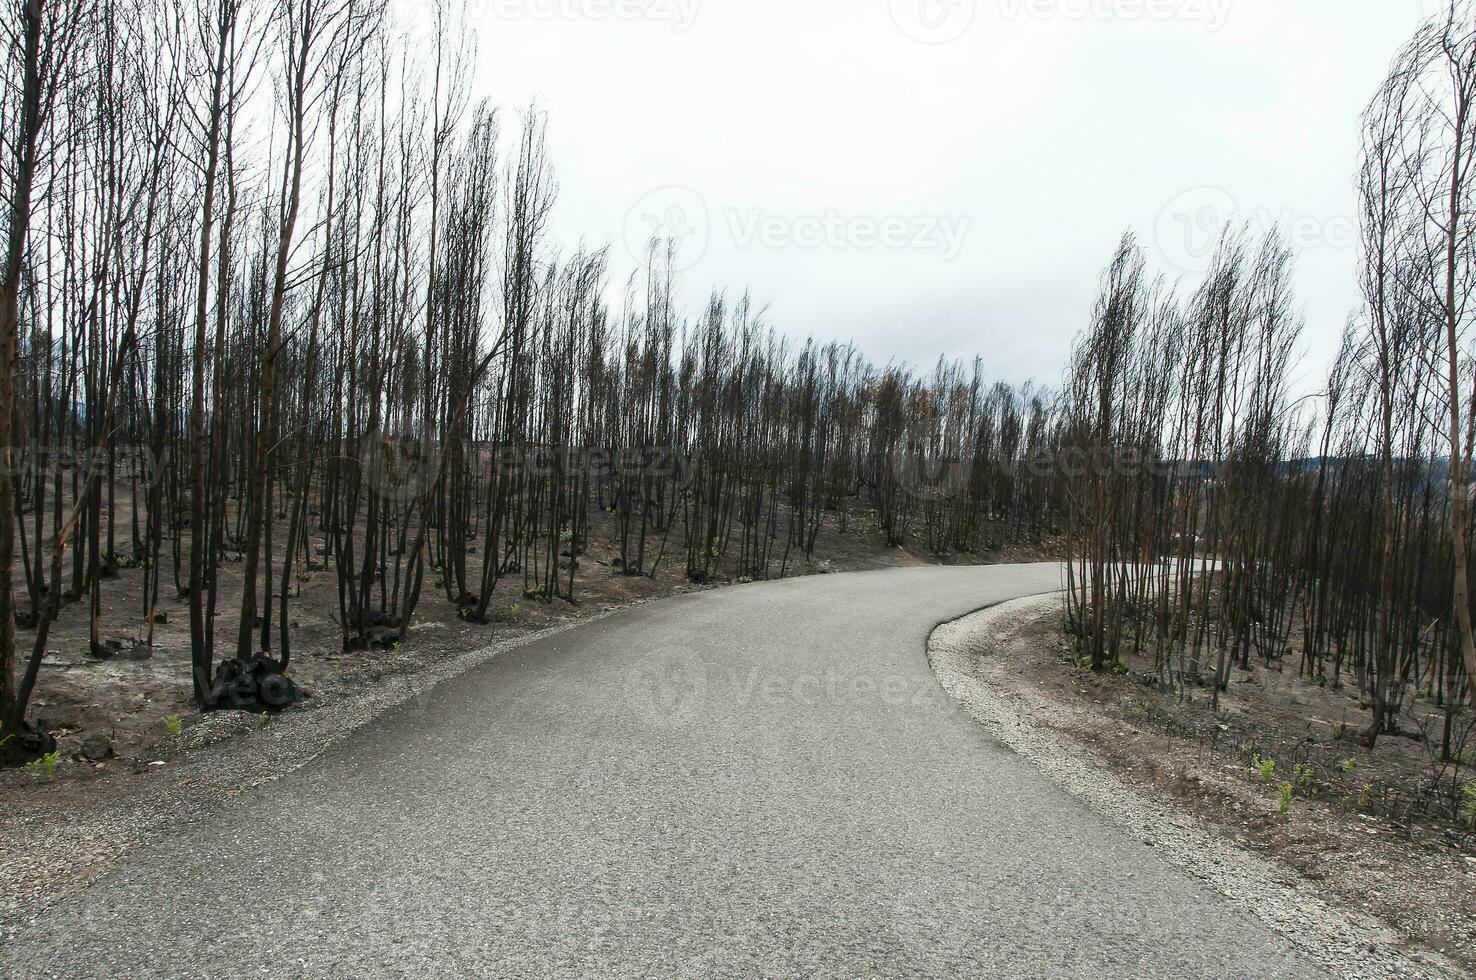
(761, 781)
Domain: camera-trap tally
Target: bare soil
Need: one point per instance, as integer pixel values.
(1355, 861)
(170, 763)
(135, 703)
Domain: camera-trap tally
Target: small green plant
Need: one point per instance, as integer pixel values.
(1302, 776)
(45, 765)
(173, 724)
(1364, 795)
(1266, 768)
(1349, 764)
(1468, 805)
(1284, 799)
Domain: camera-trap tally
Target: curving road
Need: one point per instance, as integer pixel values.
(762, 781)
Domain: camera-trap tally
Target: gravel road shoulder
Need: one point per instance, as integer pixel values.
(61, 836)
(991, 663)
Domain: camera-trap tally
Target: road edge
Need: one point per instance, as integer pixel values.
(1347, 942)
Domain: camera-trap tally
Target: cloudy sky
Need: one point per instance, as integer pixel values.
(931, 177)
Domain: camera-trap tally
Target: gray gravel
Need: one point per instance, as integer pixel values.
(759, 781)
(1348, 942)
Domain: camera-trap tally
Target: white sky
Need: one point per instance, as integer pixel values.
(786, 136)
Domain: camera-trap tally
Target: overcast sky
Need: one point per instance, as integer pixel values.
(934, 177)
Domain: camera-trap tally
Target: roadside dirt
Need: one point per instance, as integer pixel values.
(1366, 889)
(171, 764)
(142, 707)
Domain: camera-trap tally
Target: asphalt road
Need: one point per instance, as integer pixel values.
(762, 781)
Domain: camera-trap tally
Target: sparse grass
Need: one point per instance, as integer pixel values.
(1265, 768)
(44, 766)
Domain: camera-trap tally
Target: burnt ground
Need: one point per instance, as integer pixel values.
(170, 764)
(1375, 832)
(144, 711)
